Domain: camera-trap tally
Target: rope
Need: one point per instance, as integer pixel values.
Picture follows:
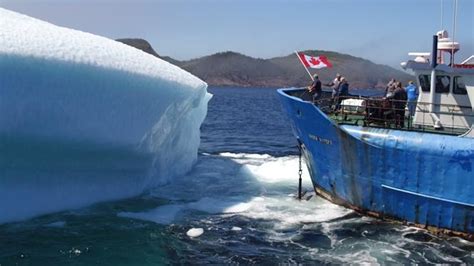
(300, 172)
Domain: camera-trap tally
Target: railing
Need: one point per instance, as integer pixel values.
(390, 113)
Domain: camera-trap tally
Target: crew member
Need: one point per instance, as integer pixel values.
(315, 88)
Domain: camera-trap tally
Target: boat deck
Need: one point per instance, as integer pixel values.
(375, 112)
(345, 118)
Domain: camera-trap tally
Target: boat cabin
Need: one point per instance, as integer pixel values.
(445, 97)
(448, 105)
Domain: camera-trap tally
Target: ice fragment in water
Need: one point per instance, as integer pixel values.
(195, 232)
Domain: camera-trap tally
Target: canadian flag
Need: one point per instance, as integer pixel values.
(314, 61)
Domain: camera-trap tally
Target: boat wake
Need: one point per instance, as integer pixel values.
(250, 185)
(240, 208)
(247, 200)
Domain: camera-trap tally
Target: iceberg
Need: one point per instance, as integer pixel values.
(85, 119)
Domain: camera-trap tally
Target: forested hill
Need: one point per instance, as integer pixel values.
(234, 69)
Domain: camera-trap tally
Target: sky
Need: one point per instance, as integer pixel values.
(383, 31)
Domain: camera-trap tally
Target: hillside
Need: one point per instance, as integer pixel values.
(360, 73)
(139, 44)
(234, 69)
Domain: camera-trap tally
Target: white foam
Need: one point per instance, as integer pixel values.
(195, 232)
(163, 215)
(287, 212)
(360, 257)
(244, 155)
(215, 206)
(166, 214)
(236, 228)
(269, 202)
(279, 170)
(268, 169)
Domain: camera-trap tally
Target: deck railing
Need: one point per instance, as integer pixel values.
(390, 113)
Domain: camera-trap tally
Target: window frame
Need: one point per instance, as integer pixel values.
(425, 83)
(439, 83)
(457, 90)
(422, 79)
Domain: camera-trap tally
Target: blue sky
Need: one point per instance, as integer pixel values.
(383, 31)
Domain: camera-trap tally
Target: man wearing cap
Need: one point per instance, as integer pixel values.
(315, 88)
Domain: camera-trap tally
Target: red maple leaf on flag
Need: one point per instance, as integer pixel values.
(314, 61)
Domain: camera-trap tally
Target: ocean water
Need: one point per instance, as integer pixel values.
(238, 201)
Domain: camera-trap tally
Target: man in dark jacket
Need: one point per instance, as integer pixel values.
(315, 88)
(343, 92)
(399, 101)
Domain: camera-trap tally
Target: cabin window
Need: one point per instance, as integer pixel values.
(425, 82)
(442, 84)
(459, 86)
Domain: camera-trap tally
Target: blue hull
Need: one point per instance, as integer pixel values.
(421, 178)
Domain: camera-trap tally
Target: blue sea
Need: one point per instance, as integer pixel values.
(239, 197)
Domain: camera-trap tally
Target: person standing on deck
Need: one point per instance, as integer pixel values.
(315, 88)
(344, 88)
(390, 87)
(335, 85)
(399, 98)
(343, 92)
(412, 96)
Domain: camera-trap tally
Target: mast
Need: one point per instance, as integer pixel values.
(454, 30)
(434, 63)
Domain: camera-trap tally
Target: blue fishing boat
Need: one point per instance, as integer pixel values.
(419, 171)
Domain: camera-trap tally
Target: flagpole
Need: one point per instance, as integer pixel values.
(297, 55)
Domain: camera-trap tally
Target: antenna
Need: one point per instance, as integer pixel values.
(441, 26)
(455, 9)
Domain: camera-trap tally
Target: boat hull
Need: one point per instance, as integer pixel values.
(421, 178)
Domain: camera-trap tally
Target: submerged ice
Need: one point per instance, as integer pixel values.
(230, 184)
(85, 119)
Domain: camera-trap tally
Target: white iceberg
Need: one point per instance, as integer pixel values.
(85, 119)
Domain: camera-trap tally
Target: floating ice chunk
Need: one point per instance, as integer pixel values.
(236, 228)
(195, 232)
